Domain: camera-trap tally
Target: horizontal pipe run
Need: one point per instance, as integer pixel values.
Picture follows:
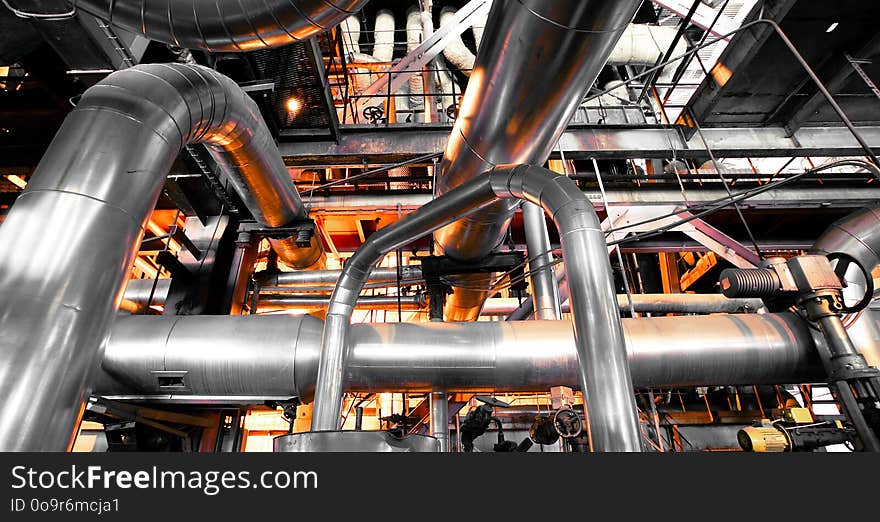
(270, 356)
(330, 277)
(650, 303)
(364, 302)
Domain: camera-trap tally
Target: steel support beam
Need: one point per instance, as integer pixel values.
(367, 144)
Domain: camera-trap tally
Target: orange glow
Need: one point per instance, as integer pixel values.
(159, 231)
(293, 105)
(721, 74)
(17, 181)
(146, 268)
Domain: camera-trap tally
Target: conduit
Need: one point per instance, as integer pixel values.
(604, 372)
(535, 64)
(258, 358)
(223, 25)
(67, 245)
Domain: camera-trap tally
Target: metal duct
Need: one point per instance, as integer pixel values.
(67, 244)
(601, 351)
(223, 25)
(534, 66)
(258, 358)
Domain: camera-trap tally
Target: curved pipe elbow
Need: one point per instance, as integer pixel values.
(223, 25)
(856, 235)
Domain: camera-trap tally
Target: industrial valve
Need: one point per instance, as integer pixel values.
(811, 284)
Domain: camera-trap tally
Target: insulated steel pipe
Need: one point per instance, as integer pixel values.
(650, 303)
(536, 62)
(330, 277)
(856, 235)
(545, 292)
(264, 357)
(605, 378)
(68, 243)
(439, 419)
(223, 25)
(367, 302)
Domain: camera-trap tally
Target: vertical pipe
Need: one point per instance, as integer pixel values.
(440, 419)
(545, 293)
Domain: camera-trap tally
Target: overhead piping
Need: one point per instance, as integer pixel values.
(604, 373)
(69, 241)
(536, 62)
(223, 25)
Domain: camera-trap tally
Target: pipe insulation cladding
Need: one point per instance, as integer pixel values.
(224, 358)
(69, 241)
(223, 25)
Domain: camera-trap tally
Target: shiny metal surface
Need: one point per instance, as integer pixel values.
(67, 245)
(605, 376)
(650, 303)
(604, 369)
(545, 293)
(354, 441)
(137, 293)
(238, 355)
(330, 277)
(223, 25)
(365, 302)
(857, 235)
(334, 343)
(508, 117)
(252, 355)
(440, 419)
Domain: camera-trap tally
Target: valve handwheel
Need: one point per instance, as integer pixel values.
(567, 423)
(373, 113)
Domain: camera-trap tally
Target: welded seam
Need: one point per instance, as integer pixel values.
(167, 341)
(225, 27)
(303, 15)
(250, 23)
(199, 27)
(138, 223)
(569, 28)
(277, 21)
(171, 23)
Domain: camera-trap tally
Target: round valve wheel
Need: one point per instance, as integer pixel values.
(567, 423)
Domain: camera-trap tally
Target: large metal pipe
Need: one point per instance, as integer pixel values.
(857, 236)
(223, 25)
(601, 350)
(506, 116)
(260, 357)
(68, 243)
